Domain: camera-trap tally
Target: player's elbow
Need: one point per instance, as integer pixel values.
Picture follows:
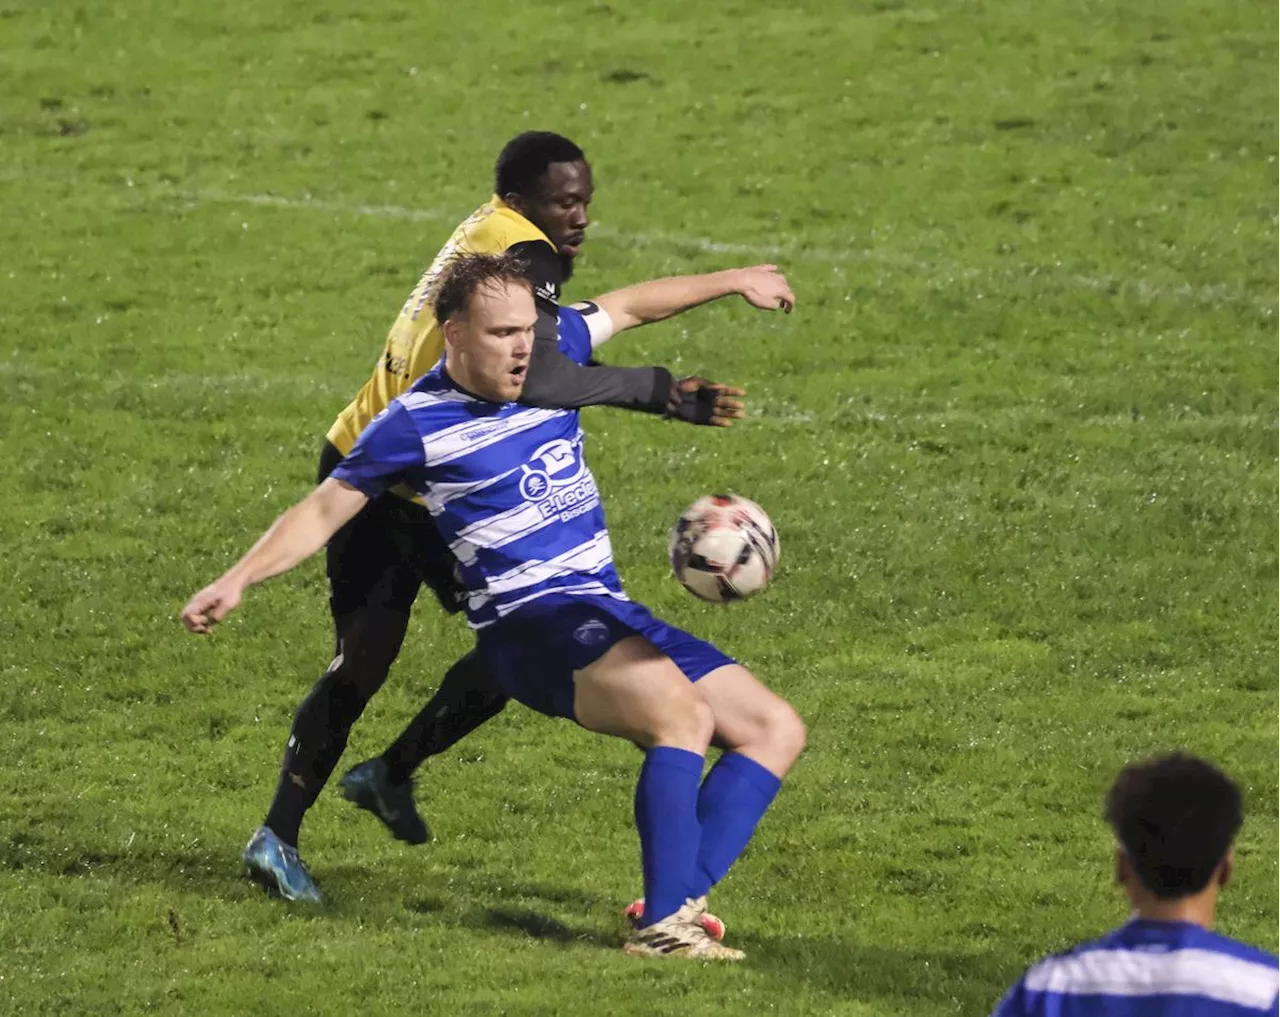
(333, 504)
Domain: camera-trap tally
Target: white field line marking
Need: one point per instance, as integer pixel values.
(224, 383)
(1216, 293)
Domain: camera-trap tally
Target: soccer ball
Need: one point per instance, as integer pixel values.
(723, 547)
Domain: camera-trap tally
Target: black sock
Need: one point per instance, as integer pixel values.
(310, 755)
(367, 646)
(467, 697)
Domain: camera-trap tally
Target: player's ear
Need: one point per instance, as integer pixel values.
(452, 329)
(1121, 866)
(516, 202)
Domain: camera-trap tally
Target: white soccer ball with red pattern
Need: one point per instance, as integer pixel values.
(724, 547)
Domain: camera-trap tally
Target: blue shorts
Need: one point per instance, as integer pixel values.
(533, 653)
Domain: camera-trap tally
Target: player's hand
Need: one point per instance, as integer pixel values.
(763, 286)
(696, 400)
(211, 605)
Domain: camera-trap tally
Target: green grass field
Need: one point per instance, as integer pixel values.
(1019, 439)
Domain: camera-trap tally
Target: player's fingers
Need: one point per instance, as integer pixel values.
(772, 300)
(731, 407)
(726, 390)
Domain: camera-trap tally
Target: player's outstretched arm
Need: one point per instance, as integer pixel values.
(556, 381)
(762, 286)
(293, 538)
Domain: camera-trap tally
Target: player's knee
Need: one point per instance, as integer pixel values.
(702, 720)
(784, 731)
(686, 722)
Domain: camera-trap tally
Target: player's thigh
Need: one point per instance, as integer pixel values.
(369, 562)
(752, 719)
(635, 691)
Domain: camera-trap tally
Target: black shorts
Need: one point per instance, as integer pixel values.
(383, 556)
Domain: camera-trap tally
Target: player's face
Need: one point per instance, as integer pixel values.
(559, 205)
(490, 345)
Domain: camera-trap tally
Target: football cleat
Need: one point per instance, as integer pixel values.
(276, 866)
(713, 926)
(367, 786)
(679, 935)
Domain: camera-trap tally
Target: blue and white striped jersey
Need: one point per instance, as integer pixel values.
(1149, 969)
(507, 486)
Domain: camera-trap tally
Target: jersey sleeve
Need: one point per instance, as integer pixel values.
(574, 335)
(387, 448)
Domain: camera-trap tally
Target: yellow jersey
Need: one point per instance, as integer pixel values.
(416, 341)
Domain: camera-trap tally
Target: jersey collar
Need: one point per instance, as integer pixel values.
(502, 206)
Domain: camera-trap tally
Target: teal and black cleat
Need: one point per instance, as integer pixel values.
(366, 785)
(275, 865)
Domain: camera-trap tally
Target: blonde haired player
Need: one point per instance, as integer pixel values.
(378, 562)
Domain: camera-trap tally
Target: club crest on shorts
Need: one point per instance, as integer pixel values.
(591, 633)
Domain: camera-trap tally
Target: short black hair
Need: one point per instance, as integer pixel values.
(525, 158)
(1176, 817)
(467, 273)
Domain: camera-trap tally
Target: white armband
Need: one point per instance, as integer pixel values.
(598, 322)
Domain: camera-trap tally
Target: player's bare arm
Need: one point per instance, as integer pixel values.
(762, 286)
(293, 538)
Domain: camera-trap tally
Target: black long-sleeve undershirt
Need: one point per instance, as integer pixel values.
(555, 381)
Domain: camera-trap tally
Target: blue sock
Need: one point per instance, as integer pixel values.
(736, 794)
(667, 818)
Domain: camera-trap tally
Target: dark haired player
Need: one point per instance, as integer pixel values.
(378, 562)
(1175, 819)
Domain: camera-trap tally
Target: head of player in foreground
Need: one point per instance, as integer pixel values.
(547, 179)
(1175, 818)
(485, 307)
